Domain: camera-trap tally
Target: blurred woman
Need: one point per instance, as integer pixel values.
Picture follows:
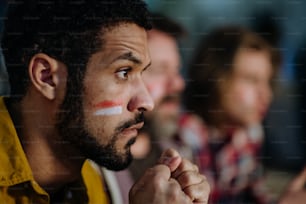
(228, 93)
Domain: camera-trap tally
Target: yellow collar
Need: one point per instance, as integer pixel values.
(14, 166)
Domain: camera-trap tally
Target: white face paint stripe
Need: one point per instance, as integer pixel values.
(116, 110)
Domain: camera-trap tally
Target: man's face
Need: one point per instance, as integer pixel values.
(163, 79)
(113, 98)
(247, 94)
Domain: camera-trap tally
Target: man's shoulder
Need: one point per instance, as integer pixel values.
(93, 180)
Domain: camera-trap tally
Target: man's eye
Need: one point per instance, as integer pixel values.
(123, 74)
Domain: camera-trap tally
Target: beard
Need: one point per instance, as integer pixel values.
(72, 130)
(163, 125)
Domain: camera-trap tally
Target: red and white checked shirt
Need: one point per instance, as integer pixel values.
(230, 162)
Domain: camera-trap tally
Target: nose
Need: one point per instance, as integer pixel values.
(141, 99)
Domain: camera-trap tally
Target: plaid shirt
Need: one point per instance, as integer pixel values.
(230, 163)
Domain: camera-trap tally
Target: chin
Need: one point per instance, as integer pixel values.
(111, 156)
(116, 162)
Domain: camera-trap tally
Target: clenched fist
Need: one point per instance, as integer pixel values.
(173, 180)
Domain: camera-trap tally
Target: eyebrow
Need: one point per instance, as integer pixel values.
(128, 56)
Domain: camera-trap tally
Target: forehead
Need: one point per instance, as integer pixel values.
(126, 37)
(163, 50)
(253, 61)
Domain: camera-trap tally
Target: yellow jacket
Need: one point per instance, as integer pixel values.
(17, 184)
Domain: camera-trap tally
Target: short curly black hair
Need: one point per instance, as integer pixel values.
(68, 30)
(166, 25)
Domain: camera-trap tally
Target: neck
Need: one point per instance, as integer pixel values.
(52, 162)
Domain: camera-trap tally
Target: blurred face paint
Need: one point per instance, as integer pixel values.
(108, 108)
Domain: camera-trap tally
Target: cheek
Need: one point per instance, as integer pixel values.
(245, 96)
(248, 97)
(101, 128)
(101, 118)
(108, 108)
(102, 99)
(157, 91)
(239, 101)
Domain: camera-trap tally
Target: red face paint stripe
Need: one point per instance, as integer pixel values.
(107, 104)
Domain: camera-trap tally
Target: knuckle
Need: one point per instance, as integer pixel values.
(174, 184)
(185, 178)
(190, 192)
(175, 193)
(205, 184)
(186, 163)
(198, 192)
(196, 168)
(157, 182)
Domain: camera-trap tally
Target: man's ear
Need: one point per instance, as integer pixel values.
(47, 74)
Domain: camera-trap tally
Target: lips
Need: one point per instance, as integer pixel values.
(133, 129)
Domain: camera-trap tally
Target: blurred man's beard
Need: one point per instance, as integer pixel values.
(164, 128)
(164, 123)
(71, 130)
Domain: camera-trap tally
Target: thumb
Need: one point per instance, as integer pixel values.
(170, 158)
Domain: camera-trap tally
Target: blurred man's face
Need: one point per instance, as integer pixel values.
(112, 100)
(163, 78)
(247, 93)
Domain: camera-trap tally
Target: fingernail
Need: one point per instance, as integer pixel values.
(168, 160)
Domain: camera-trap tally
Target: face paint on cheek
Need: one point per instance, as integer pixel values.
(108, 108)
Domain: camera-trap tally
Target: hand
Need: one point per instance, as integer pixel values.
(157, 187)
(187, 174)
(172, 181)
(295, 194)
